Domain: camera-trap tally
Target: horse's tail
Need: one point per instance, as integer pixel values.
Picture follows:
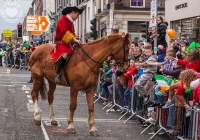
(43, 90)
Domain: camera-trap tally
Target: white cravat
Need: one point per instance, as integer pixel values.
(69, 17)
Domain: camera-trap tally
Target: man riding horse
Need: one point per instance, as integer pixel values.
(65, 37)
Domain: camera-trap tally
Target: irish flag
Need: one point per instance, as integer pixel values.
(160, 79)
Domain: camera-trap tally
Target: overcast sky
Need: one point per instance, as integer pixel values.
(12, 12)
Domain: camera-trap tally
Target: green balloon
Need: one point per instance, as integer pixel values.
(187, 91)
(193, 45)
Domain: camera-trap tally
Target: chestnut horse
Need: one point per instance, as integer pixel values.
(82, 69)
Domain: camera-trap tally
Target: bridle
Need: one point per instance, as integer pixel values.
(121, 63)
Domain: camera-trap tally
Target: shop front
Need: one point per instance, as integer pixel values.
(184, 17)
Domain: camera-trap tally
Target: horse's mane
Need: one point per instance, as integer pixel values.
(96, 41)
(99, 40)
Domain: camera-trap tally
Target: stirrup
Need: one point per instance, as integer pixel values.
(57, 78)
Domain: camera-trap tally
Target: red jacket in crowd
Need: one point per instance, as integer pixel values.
(130, 72)
(195, 65)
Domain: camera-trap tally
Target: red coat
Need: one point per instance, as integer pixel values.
(195, 65)
(131, 72)
(63, 25)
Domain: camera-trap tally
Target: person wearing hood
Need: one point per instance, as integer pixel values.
(65, 38)
(161, 32)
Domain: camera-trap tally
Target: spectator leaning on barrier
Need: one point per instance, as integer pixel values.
(169, 64)
(132, 70)
(192, 62)
(148, 73)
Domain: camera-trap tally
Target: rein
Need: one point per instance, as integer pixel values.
(85, 59)
(121, 63)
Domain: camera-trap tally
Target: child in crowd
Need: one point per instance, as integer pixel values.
(140, 72)
(118, 85)
(169, 65)
(195, 86)
(128, 75)
(192, 61)
(107, 80)
(148, 73)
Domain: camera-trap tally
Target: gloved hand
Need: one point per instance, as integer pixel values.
(118, 73)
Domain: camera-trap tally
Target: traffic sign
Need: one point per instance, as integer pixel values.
(35, 33)
(37, 23)
(153, 16)
(7, 33)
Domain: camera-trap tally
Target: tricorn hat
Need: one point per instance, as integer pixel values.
(69, 9)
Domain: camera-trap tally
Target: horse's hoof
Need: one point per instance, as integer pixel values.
(71, 131)
(94, 133)
(54, 123)
(37, 122)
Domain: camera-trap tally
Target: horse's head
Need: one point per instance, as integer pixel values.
(120, 50)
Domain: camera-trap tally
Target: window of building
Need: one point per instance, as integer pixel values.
(137, 3)
(79, 2)
(88, 13)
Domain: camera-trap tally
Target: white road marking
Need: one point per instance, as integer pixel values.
(44, 132)
(30, 101)
(24, 86)
(13, 82)
(47, 120)
(14, 75)
(84, 120)
(7, 85)
(27, 92)
(30, 104)
(28, 96)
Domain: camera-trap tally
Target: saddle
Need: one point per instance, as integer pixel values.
(49, 64)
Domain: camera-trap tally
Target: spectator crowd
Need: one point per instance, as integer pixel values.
(168, 79)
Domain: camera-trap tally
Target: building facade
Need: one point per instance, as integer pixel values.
(184, 17)
(126, 16)
(49, 11)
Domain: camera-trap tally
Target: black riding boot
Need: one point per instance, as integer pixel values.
(61, 63)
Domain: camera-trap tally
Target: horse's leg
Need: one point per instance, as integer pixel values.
(72, 107)
(90, 102)
(52, 88)
(37, 81)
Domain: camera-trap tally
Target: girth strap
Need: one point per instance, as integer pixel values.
(66, 76)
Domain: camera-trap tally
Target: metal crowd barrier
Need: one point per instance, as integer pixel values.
(196, 121)
(189, 130)
(114, 96)
(19, 62)
(98, 90)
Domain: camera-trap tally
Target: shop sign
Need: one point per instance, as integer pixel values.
(7, 33)
(186, 26)
(180, 6)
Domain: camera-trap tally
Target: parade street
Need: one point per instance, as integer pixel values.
(16, 115)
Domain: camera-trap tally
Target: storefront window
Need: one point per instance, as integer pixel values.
(189, 27)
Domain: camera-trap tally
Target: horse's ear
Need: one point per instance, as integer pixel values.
(126, 36)
(128, 40)
(123, 34)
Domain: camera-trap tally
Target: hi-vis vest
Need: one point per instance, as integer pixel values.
(1, 52)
